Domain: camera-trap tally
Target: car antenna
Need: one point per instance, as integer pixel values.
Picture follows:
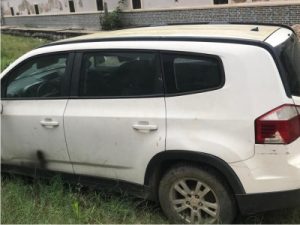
(255, 29)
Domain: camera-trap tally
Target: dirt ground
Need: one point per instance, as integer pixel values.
(297, 29)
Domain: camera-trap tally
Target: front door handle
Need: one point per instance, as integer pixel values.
(49, 123)
(144, 127)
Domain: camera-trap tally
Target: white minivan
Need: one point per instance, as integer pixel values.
(204, 119)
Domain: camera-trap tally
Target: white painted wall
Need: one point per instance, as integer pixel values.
(26, 7)
(156, 4)
(22, 7)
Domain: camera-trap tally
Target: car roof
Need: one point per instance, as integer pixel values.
(237, 31)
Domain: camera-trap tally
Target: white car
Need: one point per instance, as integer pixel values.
(203, 118)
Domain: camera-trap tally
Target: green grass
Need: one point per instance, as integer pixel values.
(29, 201)
(39, 201)
(12, 47)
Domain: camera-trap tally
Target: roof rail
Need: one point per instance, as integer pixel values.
(255, 28)
(263, 24)
(187, 23)
(236, 23)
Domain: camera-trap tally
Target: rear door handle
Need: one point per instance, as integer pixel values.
(49, 123)
(145, 127)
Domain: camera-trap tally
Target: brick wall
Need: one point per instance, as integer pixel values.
(283, 14)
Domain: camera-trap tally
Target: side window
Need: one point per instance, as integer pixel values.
(189, 73)
(40, 77)
(120, 74)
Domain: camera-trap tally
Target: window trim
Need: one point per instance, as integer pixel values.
(193, 54)
(77, 70)
(73, 75)
(66, 83)
(264, 45)
(77, 74)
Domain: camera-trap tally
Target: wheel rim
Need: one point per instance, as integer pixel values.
(194, 201)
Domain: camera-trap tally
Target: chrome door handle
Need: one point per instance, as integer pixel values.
(49, 123)
(144, 127)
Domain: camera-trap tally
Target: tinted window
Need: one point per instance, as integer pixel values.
(186, 73)
(289, 54)
(39, 77)
(120, 74)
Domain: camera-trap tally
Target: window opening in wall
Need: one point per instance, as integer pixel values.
(217, 2)
(36, 9)
(136, 4)
(100, 5)
(71, 6)
(12, 11)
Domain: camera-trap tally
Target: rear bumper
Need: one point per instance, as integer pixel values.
(261, 202)
(273, 168)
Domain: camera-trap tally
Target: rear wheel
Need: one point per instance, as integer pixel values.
(194, 195)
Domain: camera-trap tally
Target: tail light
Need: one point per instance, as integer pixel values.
(279, 126)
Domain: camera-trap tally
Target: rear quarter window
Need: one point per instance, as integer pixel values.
(192, 73)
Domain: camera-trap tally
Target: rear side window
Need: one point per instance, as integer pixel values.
(120, 74)
(192, 73)
(289, 53)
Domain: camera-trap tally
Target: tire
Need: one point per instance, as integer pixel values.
(190, 194)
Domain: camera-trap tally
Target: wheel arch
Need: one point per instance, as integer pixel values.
(166, 159)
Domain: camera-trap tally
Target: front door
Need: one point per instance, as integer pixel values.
(34, 98)
(116, 124)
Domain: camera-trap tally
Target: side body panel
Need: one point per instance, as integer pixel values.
(25, 142)
(103, 142)
(221, 122)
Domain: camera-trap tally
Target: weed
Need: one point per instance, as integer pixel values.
(12, 47)
(112, 20)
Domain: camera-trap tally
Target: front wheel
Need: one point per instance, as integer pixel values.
(195, 195)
